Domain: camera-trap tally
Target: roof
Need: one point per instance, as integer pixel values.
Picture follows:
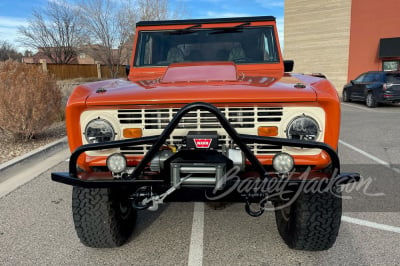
(205, 21)
(382, 71)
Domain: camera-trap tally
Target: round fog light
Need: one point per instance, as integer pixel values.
(116, 163)
(283, 163)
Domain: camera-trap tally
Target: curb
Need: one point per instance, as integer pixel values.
(49, 148)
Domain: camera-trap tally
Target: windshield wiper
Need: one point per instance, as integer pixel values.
(187, 30)
(237, 28)
(242, 25)
(192, 27)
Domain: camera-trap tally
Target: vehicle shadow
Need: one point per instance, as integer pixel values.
(145, 219)
(362, 104)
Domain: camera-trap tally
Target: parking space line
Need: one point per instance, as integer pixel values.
(384, 227)
(359, 107)
(366, 154)
(370, 156)
(362, 222)
(379, 110)
(196, 239)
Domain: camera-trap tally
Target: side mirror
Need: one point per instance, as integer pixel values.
(288, 65)
(352, 82)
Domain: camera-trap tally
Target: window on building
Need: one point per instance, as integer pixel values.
(82, 55)
(392, 65)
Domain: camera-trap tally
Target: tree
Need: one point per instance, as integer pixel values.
(110, 26)
(55, 30)
(160, 9)
(153, 9)
(7, 52)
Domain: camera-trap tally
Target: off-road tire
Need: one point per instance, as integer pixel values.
(345, 96)
(312, 222)
(103, 218)
(370, 101)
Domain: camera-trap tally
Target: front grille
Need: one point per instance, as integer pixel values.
(243, 119)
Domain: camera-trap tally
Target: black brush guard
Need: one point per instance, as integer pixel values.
(134, 180)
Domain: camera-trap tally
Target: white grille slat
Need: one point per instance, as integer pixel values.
(155, 120)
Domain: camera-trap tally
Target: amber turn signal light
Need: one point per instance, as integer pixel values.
(130, 133)
(268, 131)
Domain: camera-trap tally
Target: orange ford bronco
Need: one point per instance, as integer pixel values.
(209, 112)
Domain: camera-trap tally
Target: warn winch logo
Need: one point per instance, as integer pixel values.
(202, 143)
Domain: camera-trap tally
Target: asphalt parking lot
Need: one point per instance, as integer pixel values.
(36, 226)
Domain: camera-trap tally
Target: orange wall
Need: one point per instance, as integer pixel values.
(371, 20)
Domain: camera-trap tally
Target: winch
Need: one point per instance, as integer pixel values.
(201, 161)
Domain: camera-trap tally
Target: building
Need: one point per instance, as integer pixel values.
(39, 56)
(86, 55)
(374, 36)
(342, 38)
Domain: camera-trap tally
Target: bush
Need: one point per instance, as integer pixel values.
(30, 100)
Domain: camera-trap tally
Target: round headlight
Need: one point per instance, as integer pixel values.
(99, 130)
(303, 128)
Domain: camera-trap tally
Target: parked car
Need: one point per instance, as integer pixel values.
(373, 87)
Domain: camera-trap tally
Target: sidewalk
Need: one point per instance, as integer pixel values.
(23, 169)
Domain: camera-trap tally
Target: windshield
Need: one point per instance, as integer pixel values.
(238, 44)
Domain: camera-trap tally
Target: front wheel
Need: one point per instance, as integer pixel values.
(311, 222)
(103, 218)
(345, 96)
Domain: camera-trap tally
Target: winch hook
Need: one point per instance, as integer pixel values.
(138, 197)
(253, 213)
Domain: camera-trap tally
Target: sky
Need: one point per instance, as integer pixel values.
(14, 13)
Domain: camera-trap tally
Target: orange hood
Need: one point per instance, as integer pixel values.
(216, 83)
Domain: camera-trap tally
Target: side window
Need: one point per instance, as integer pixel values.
(144, 50)
(147, 59)
(369, 77)
(379, 77)
(269, 49)
(266, 51)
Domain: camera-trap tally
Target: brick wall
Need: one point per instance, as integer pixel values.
(317, 37)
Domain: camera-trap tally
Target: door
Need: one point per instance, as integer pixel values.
(357, 90)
